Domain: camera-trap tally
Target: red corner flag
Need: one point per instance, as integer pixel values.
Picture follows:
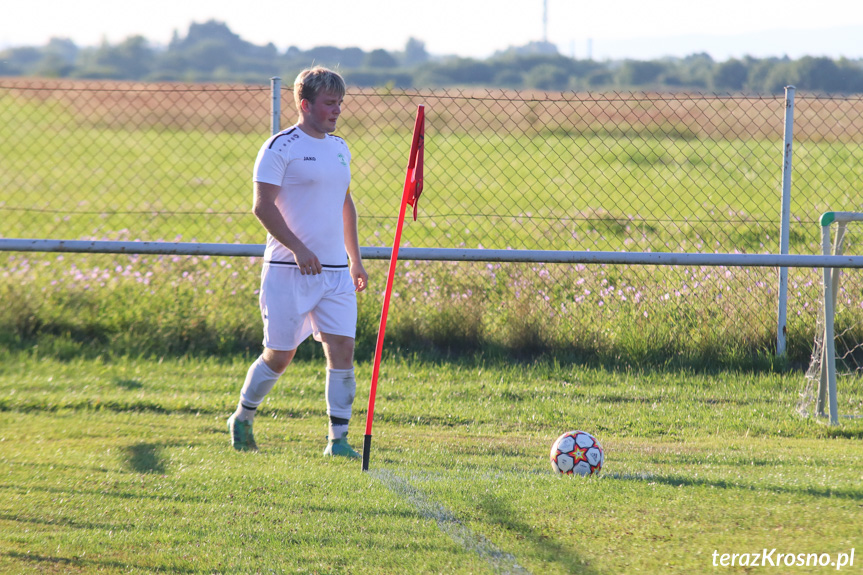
(414, 178)
(411, 193)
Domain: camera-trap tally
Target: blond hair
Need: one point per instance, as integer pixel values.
(313, 81)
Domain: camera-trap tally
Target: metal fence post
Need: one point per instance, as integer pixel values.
(276, 104)
(785, 219)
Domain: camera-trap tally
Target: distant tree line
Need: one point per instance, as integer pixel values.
(211, 52)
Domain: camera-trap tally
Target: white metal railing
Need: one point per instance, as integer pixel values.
(450, 254)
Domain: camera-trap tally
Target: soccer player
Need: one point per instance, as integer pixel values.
(312, 265)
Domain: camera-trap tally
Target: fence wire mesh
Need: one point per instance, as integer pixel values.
(527, 170)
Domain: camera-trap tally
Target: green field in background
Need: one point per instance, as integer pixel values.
(63, 178)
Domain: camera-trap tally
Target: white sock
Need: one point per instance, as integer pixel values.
(260, 380)
(338, 431)
(244, 412)
(338, 428)
(340, 391)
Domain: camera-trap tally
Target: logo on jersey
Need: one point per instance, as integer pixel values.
(309, 159)
(342, 159)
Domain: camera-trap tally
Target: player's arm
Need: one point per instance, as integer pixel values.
(352, 243)
(268, 214)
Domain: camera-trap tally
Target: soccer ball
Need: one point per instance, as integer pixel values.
(577, 452)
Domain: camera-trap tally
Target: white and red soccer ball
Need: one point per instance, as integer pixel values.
(577, 453)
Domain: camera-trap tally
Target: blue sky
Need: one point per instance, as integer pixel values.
(644, 29)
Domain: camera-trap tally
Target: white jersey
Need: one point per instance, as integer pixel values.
(314, 175)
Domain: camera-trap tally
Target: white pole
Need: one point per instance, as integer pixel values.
(448, 254)
(275, 105)
(826, 219)
(785, 219)
(829, 357)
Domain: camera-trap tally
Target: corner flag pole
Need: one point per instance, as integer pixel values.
(411, 193)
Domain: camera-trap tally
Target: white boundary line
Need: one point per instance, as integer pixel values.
(499, 561)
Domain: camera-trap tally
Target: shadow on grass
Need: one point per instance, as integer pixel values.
(757, 358)
(63, 522)
(146, 458)
(497, 512)
(118, 493)
(497, 356)
(50, 563)
(129, 384)
(852, 493)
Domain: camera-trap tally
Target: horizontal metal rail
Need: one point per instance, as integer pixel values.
(449, 254)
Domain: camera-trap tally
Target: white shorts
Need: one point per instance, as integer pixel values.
(295, 306)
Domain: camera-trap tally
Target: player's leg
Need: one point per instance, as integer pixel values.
(286, 324)
(335, 320)
(339, 350)
(260, 379)
(341, 388)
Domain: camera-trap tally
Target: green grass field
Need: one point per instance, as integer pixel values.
(125, 466)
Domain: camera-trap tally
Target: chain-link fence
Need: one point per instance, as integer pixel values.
(562, 171)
